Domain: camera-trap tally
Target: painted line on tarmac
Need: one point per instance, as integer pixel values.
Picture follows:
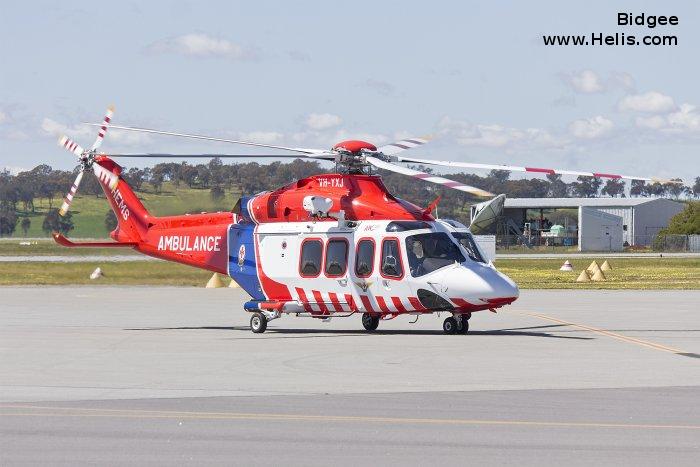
(614, 335)
(49, 411)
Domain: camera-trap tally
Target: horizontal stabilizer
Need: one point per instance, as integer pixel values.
(62, 240)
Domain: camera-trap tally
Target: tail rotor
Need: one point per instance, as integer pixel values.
(87, 161)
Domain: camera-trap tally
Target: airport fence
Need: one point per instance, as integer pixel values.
(676, 243)
(660, 243)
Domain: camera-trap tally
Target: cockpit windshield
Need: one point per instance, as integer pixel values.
(431, 251)
(467, 241)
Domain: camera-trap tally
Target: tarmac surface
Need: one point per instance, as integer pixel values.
(135, 375)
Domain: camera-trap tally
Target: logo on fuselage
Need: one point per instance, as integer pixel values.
(241, 256)
(121, 205)
(187, 243)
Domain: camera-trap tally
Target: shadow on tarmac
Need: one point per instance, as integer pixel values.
(300, 333)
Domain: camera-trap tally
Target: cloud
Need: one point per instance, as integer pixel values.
(650, 102)
(586, 82)
(622, 79)
(322, 121)
(3, 117)
(382, 87)
(683, 121)
(204, 46)
(591, 128)
(497, 136)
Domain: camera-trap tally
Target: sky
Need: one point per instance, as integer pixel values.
(475, 74)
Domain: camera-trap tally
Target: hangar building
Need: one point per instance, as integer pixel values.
(603, 223)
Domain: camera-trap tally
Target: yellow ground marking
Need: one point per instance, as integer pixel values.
(48, 411)
(614, 335)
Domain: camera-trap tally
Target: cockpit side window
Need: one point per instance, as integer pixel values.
(431, 251)
(467, 241)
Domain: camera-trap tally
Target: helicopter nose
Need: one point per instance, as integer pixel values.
(505, 287)
(484, 283)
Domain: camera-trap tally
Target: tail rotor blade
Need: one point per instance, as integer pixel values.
(103, 129)
(69, 197)
(105, 176)
(71, 146)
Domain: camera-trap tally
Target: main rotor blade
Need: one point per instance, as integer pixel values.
(514, 168)
(71, 193)
(231, 156)
(103, 128)
(399, 146)
(211, 138)
(428, 177)
(71, 145)
(105, 176)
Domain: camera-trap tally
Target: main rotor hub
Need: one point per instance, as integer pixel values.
(355, 146)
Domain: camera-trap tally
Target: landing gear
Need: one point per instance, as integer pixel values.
(449, 325)
(370, 321)
(458, 324)
(463, 323)
(258, 322)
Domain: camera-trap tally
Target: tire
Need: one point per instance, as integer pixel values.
(449, 325)
(370, 322)
(463, 324)
(258, 323)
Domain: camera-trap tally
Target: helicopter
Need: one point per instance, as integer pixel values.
(326, 246)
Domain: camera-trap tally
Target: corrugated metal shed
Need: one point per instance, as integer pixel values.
(642, 218)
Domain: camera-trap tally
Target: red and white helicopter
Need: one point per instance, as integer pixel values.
(329, 245)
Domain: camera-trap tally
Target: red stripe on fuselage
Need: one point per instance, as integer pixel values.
(270, 288)
(351, 302)
(319, 301)
(334, 300)
(304, 300)
(460, 302)
(367, 304)
(416, 304)
(382, 304)
(398, 305)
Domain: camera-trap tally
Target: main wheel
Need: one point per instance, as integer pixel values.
(258, 322)
(449, 325)
(463, 324)
(370, 322)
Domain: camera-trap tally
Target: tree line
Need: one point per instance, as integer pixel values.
(19, 192)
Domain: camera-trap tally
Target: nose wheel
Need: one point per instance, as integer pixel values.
(458, 325)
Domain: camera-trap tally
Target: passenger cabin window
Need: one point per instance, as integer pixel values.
(467, 241)
(310, 261)
(391, 259)
(336, 257)
(430, 252)
(364, 258)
